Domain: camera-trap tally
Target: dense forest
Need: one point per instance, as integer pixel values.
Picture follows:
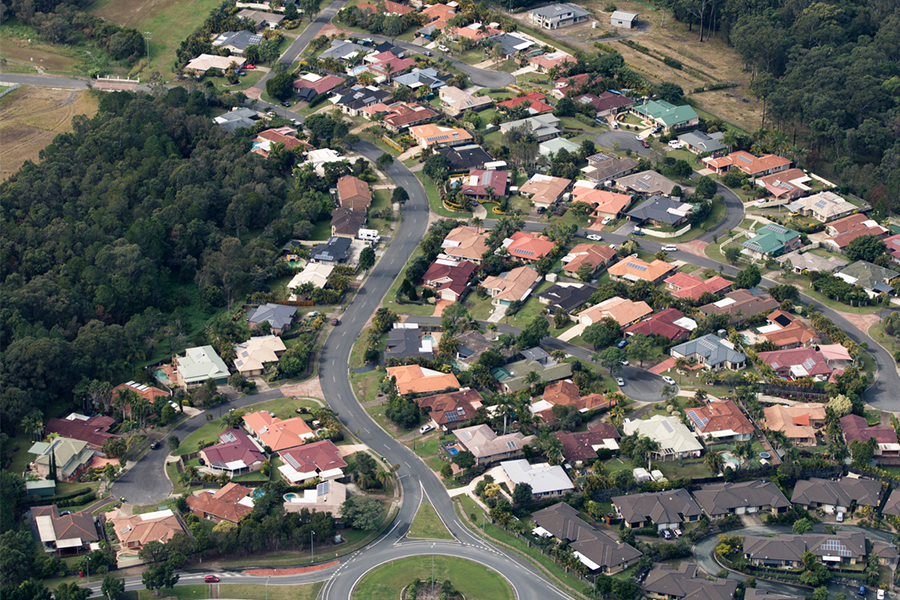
(132, 232)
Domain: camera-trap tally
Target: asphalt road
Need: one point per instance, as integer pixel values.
(45, 81)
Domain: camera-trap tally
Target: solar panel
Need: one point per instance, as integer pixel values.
(668, 426)
(636, 266)
(777, 228)
(291, 461)
(744, 159)
(836, 546)
(820, 204)
(451, 416)
(324, 487)
(642, 184)
(646, 178)
(774, 364)
(525, 252)
(707, 344)
(511, 445)
(809, 363)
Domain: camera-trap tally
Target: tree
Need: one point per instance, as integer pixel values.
(670, 92)
(71, 591)
(639, 348)
(436, 167)
(366, 258)
(363, 512)
(748, 278)
(447, 471)
(455, 319)
(865, 247)
(384, 161)
(714, 462)
(841, 405)
(173, 442)
(603, 333)
(159, 576)
(611, 360)
(28, 590)
(281, 86)
(536, 330)
(464, 460)
(290, 11)
(732, 253)
(560, 318)
(801, 526)
(399, 195)
(706, 187)
(521, 494)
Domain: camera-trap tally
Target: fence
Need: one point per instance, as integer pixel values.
(12, 87)
(118, 79)
(790, 390)
(664, 234)
(391, 143)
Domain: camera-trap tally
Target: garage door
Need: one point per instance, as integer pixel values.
(740, 510)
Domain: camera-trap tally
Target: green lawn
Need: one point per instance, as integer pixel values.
(803, 283)
(321, 231)
(365, 385)
(479, 308)
(716, 216)
(381, 200)
(427, 525)
(309, 591)
(200, 590)
(888, 342)
(472, 580)
(672, 471)
(247, 81)
(434, 200)
(427, 445)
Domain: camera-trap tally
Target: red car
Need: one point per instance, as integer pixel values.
(645, 143)
(335, 322)
(249, 66)
(211, 579)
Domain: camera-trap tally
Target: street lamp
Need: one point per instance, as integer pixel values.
(147, 44)
(87, 562)
(432, 570)
(267, 586)
(312, 554)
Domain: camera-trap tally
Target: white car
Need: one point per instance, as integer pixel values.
(676, 145)
(880, 594)
(634, 255)
(425, 428)
(625, 363)
(595, 237)
(620, 382)
(612, 246)
(606, 220)
(840, 517)
(760, 202)
(668, 380)
(443, 48)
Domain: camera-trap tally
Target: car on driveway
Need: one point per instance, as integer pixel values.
(251, 67)
(595, 237)
(606, 220)
(676, 145)
(211, 579)
(622, 344)
(625, 363)
(286, 104)
(443, 48)
(668, 380)
(425, 428)
(620, 382)
(880, 594)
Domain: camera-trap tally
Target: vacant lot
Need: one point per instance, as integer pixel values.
(30, 117)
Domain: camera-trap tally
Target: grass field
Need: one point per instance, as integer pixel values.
(30, 117)
(427, 525)
(474, 581)
(241, 590)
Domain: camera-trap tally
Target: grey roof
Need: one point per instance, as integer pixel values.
(334, 250)
(545, 479)
(541, 125)
(472, 344)
(238, 39)
(892, 506)
(342, 48)
(360, 97)
(569, 297)
(647, 182)
(609, 165)
(704, 142)
(404, 343)
(463, 158)
(791, 547)
(661, 209)
(347, 222)
(511, 43)
(683, 583)
(866, 492)
(621, 15)
(241, 117)
(559, 11)
(711, 348)
(279, 316)
(483, 442)
(812, 262)
(518, 370)
(671, 506)
(868, 275)
(722, 498)
(761, 594)
(537, 353)
(419, 77)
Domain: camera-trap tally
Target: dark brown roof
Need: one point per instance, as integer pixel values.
(580, 446)
(94, 431)
(454, 407)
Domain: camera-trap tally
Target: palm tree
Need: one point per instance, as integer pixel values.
(382, 477)
(714, 462)
(33, 424)
(680, 365)
(668, 392)
(506, 404)
(617, 414)
(189, 475)
(532, 378)
(477, 222)
(558, 355)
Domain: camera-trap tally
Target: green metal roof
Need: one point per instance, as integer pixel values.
(666, 113)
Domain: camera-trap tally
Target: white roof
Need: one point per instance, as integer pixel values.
(583, 183)
(586, 561)
(686, 323)
(69, 543)
(539, 406)
(45, 528)
(159, 514)
(542, 479)
(541, 532)
(621, 15)
(294, 476)
(315, 273)
(671, 433)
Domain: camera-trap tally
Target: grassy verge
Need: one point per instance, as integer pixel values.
(803, 284)
(381, 200)
(716, 216)
(434, 200)
(888, 342)
(428, 525)
(309, 591)
(471, 579)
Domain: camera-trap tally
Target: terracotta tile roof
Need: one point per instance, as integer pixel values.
(225, 504)
(580, 446)
(748, 163)
(94, 430)
(661, 323)
(137, 530)
(691, 286)
(843, 240)
(439, 11)
(415, 379)
(389, 7)
(440, 276)
(635, 269)
(545, 189)
(353, 193)
(430, 134)
(609, 203)
(452, 408)
(592, 254)
(793, 330)
(277, 434)
(474, 32)
(529, 247)
(553, 59)
(534, 100)
(513, 286)
(846, 224)
(465, 242)
(721, 416)
(621, 310)
(476, 182)
(795, 421)
(404, 114)
(562, 392)
(234, 445)
(320, 86)
(809, 359)
(318, 456)
(146, 392)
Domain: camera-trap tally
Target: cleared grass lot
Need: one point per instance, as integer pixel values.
(472, 580)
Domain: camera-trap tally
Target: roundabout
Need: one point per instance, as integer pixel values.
(467, 578)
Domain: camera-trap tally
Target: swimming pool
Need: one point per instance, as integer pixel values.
(452, 451)
(160, 375)
(428, 338)
(730, 458)
(291, 497)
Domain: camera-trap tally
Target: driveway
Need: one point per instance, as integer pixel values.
(626, 141)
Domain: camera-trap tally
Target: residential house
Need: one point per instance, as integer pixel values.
(148, 393)
(667, 115)
(870, 277)
(512, 375)
(740, 305)
(345, 223)
(449, 278)
(477, 182)
(581, 447)
(552, 148)
(749, 497)
(753, 166)
(785, 185)
(593, 255)
(853, 230)
(710, 351)
(310, 85)
(699, 142)
(235, 454)
(537, 354)
(528, 246)
(606, 205)
(836, 355)
(545, 190)
(621, 310)
(594, 549)
(824, 206)
(646, 183)
(607, 103)
(455, 101)
(721, 420)
(420, 77)
(277, 434)
(431, 135)
(554, 16)
(452, 410)
(892, 506)
(886, 553)
(94, 430)
(543, 127)
(236, 42)
(205, 62)
(229, 503)
(620, 18)
(319, 158)
(327, 497)
(136, 531)
(565, 393)
(660, 211)
(477, 31)
(437, 16)
(334, 250)
(797, 363)
(252, 356)
(314, 273)
(198, 365)
(353, 193)
(472, 344)
(318, 460)
(634, 269)
(279, 316)
(533, 102)
(606, 166)
(72, 533)
(887, 452)
(568, 86)
(675, 440)
(404, 115)
(266, 140)
(262, 19)
(236, 118)
(685, 285)
(546, 481)
(664, 510)
(786, 551)
(383, 65)
(797, 422)
(463, 158)
(344, 49)
(836, 496)
(893, 247)
(566, 296)
(490, 448)
(545, 62)
(413, 379)
(465, 243)
(390, 8)
(849, 224)
(407, 342)
(669, 323)
(787, 331)
(684, 582)
(511, 45)
(807, 261)
(355, 100)
(511, 286)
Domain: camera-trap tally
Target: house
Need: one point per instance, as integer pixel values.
(855, 222)
(404, 115)
(277, 434)
(892, 506)
(252, 356)
(316, 84)
(472, 344)
(839, 243)
(605, 204)
(667, 115)
(314, 273)
(511, 44)
(528, 246)
(566, 296)
(407, 342)
(465, 243)
(335, 250)
(413, 379)
(685, 285)
(546, 481)
(390, 8)
(785, 185)
(533, 102)
(452, 410)
(229, 503)
(477, 182)
(344, 223)
(798, 422)
(449, 278)
(665, 510)
(593, 255)
(431, 135)
(205, 62)
(236, 118)
(554, 16)
(512, 375)
(646, 183)
(326, 497)
(621, 310)
(237, 41)
(565, 393)
(660, 211)
(490, 448)
(568, 86)
(235, 454)
(836, 496)
(463, 158)
(418, 78)
(870, 277)
(593, 548)
(543, 127)
(545, 62)
(807, 261)
(477, 31)
(753, 166)
(667, 582)
(278, 316)
(265, 141)
(198, 365)
(551, 148)
(319, 158)
(148, 393)
(786, 551)
(835, 355)
(699, 142)
(787, 331)
(355, 100)
(740, 305)
(606, 166)
(437, 16)
(824, 206)
(669, 323)
(893, 247)
(320, 460)
(455, 101)
(855, 429)
(674, 438)
(353, 193)
(710, 351)
(634, 269)
(721, 420)
(93, 430)
(344, 49)
(581, 447)
(545, 190)
(262, 19)
(886, 553)
(749, 497)
(538, 354)
(620, 18)
(71, 533)
(607, 103)
(797, 363)
(511, 286)
(136, 531)
(383, 65)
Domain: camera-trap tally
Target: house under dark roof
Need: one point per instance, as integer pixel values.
(683, 583)
(661, 508)
(347, 222)
(359, 98)
(279, 316)
(334, 250)
(568, 297)
(660, 209)
(463, 158)
(405, 343)
(719, 499)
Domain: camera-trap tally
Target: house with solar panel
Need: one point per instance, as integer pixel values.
(824, 206)
(772, 240)
(647, 183)
(237, 41)
(786, 551)
(435, 136)
(710, 351)
(722, 421)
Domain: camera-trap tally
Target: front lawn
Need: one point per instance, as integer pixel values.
(434, 200)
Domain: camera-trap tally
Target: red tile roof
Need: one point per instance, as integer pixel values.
(94, 431)
(223, 504)
(661, 323)
(389, 7)
(353, 193)
(318, 456)
(498, 180)
(856, 428)
(691, 286)
(722, 416)
(405, 114)
(810, 358)
(233, 445)
(528, 246)
(325, 84)
(439, 276)
(534, 100)
(445, 408)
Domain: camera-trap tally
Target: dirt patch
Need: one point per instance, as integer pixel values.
(294, 571)
(30, 117)
(308, 389)
(862, 322)
(41, 55)
(693, 247)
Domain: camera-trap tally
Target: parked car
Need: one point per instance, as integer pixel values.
(670, 248)
(595, 237)
(620, 382)
(840, 517)
(251, 67)
(677, 532)
(427, 53)
(862, 590)
(286, 104)
(675, 144)
(639, 138)
(426, 428)
(637, 231)
(622, 344)
(667, 534)
(154, 445)
(760, 202)
(612, 246)
(880, 594)
(313, 314)
(625, 363)
(606, 220)
(335, 322)
(443, 48)
(211, 579)
(633, 255)
(668, 380)
(645, 143)
(657, 129)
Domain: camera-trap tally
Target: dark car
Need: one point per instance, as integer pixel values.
(335, 322)
(286, 104)
(154, 445)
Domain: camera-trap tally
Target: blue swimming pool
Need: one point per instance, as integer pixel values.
(428, 338)
(452, 451)
(730, 458)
